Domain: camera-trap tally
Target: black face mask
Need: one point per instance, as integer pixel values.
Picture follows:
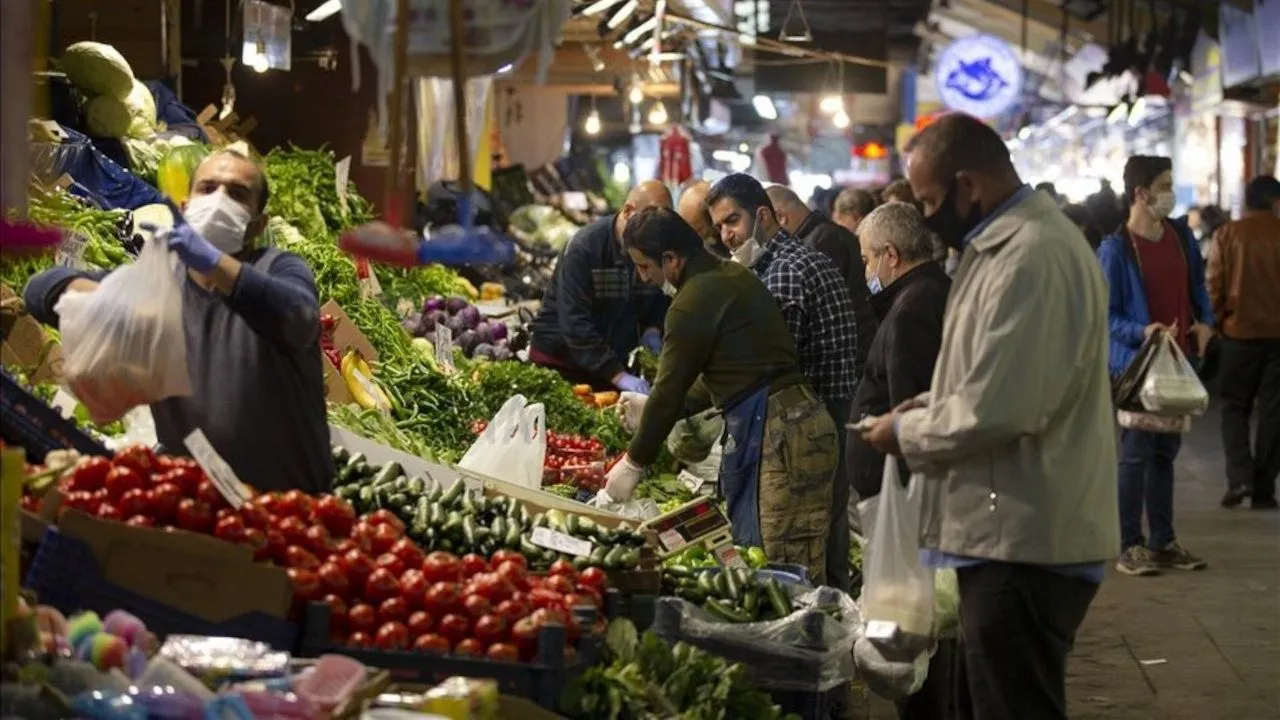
(947, 224)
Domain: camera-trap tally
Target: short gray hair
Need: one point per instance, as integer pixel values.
(901, 225)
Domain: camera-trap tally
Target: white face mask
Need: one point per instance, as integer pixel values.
(668, 289)
(1162, 205)
(749, 252)
(219, 219)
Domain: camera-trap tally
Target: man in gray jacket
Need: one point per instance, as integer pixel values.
(1015, 438)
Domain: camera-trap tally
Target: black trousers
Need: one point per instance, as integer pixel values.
(1250, 377)
(838, 535)
(1017, 624)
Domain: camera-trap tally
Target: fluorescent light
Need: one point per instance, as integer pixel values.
(504, 69)
(830, 104)
(326, 10)
(634, 33)
(764, 107)
(623, 13)
(598, 7)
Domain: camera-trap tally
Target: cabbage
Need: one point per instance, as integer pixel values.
(106, 116)
(142, 110)
(98, 69)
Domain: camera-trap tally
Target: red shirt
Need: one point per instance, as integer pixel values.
(1163, 266)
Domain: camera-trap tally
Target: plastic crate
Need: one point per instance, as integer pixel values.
(543, 680)
(66, 575)
(28, 423)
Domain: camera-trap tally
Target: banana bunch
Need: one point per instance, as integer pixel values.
(358, 376)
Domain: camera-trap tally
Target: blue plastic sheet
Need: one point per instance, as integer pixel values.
(97, 178)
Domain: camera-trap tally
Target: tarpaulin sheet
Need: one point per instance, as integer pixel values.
(96, 177)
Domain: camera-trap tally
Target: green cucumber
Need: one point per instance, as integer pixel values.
(722, 610)
(572, 523)
(512, 538)
(454, 492)
(613, 558)
(778, 598)
(598, 555)
(388, 473)
(469, 530)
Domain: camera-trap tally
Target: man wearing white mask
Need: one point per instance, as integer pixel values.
(251, 315)
(1156, 278)
(817, 307)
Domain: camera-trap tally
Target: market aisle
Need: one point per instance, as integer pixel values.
(1216, 631)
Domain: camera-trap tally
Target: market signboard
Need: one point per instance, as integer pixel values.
(1266, 25)
(1239, 38)
(1206, 75)
(980, 75)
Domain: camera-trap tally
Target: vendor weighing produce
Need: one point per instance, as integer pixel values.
(252, 326)
(596, 311)
(727, 345)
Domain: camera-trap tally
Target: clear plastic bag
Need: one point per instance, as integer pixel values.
(807, 651)
(123, 345)
(1171, 385)
(896, 587)
(692, 438)
(513, 446)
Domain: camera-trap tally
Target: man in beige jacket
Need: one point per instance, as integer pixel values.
(1015, 438)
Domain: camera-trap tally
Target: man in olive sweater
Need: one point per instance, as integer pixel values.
(725, 344)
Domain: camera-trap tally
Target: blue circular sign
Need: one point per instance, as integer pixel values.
(979, 75)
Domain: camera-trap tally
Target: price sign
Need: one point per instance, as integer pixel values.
(729, 556)
(444, 350)
(223, 477)
(70, 251)
(342, 175)
(560, 542)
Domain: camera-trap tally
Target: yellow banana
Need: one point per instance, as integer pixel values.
(359, 379)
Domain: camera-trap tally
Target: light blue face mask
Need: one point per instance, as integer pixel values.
(874, 284)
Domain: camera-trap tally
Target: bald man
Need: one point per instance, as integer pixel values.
(692, 208)
(596, 310)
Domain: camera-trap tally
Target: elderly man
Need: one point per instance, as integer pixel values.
(251, 315)
(596, 310)
(815, 303)
(692, 207)
(851, 206)
(1015, 440)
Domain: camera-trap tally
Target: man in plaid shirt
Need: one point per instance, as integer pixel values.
(818, 310)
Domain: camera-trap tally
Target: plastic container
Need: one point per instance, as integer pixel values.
(162, 673)
(330, 681)
(28, 423)
(66, 575)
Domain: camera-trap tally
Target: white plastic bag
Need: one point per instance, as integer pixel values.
(896, 587)
(123, 345)
(513, 446)
(1171, 386)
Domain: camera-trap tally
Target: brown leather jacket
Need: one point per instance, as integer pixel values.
(1244, 276)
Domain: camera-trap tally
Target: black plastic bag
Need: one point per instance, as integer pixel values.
(1125, 386)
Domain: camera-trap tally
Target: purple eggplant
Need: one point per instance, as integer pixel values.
(455, 304)
(498, 330)
(484, 331)
(471, 316)
(433, 303)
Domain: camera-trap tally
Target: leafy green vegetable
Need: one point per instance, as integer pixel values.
(99, 229)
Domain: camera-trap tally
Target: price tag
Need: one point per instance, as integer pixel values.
(729, 556)
(575, 200)
(444, 349)
(691, 481)
(342, 175)
(223, 477)
(881, 630)
(372, 389)
(671, 539)
(65, 402)
(70, 251)
(560, 542)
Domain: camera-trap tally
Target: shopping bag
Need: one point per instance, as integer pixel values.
(123, 345)
(1125, 387)
(1171, 386)
(512, 446)
(897, 588)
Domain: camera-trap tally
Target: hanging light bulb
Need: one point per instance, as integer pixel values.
(635, 95)
(841, 119)
(831, 104)
(591, 125)
(658, 114)
(260, 63)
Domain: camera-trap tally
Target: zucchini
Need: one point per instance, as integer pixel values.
(705, 583)
(340, 455)
(539, 520)
(680, 571)
(598, 555)
(732, 585)
(454, 492)
(722, 610)
(721, 584)
(613, 558)
(416, 486)
(778, 598)
(452, 523)
(498, 527)
(751, 602)
(469, 530)
(512, 538)
(434, 492)
(356, 460)
(589, 528)
(528, 549)
(572, 523)
(629, 559)
(435, 518)
(468, 504)
(693, 595)
(388, 473)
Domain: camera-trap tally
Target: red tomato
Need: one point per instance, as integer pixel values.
(257, 539)
(255, 516)
(441, 598)
(344, 545)
(504, 555)
(469, 647)
(454, 628)
(384, 516)
(230, 528)
(590, 595)
(491, 629)
(392, 563)
(186, 478)
(414, 586)
(140, 521)
(294, 556)
(337, 613)
(317, 540)
(362, 535)
(593, 577)
(431, 643)
(392, 636)
(476, 606)
(408, 551)
(542, 598)
(362, 616)
(107, 511)
(294, 531)
(138, 458)
(194, 515)
(558, 583)
(83, 501)
(473, 564)
(420, 623)
(120, 480)
(359, 639)
(525, 636)
(276, 546)
(133, 503)
(333, 580)
(337, 515)
(358, 566)
(384, 538)
(548, 616)
(441, 566)
(306, 586)
(503, 652)
(164, 499)
(89, 474)
(514, 574)
(563, 567)
(512, 611)
(209, 494)
(393, 609)
(381, 585)
(294, 503)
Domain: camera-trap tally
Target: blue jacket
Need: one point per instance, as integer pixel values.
(1127, 313)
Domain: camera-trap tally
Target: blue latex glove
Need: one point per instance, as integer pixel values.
(631, 383)
(194, 251)
(652, 340)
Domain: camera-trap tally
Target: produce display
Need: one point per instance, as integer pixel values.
(469, 331)
(730, 594)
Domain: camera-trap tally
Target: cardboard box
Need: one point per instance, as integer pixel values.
(26, 346)
(346, 335)
(335, 387)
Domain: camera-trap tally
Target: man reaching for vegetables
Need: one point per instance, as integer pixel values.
(251, 316)
(726, 344)
(595, 310)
